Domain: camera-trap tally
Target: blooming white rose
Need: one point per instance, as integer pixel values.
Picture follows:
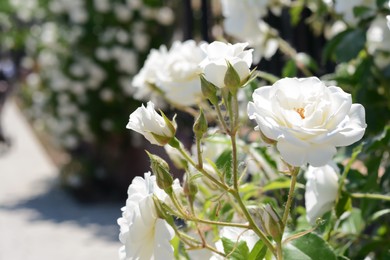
(175, 73)
(179, 77)
(307, 119)
(378, 41)
(321, 190)
(144, 235)
(242, 21)
(155, 128)
(147, 77)
(215, 65)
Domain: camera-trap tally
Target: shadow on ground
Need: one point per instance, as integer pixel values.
(56, 205)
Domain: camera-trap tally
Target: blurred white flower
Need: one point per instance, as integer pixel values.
(179, 77)
(165, 16)
(156, 129)
(147, 76)
(321, 190)
(307, 119)
(102, 6)
(378, 41)
(102, 54)
(143, 233)
(215, 66)
(122, 12)
(107, 95)
(242, 21)
(331, 30)
(345, 8)
(175, 73)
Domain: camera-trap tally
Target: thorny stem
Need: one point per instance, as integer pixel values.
(199, 153)
(221, 119)
(294, 174)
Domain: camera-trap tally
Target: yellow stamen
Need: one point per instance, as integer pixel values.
(301, 112)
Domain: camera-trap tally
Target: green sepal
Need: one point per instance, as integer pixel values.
(232, 79)
(209, 90)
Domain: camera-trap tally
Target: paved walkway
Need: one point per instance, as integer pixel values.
(38, 220)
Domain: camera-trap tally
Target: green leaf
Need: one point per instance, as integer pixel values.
(258, 252)
(329, 50)
(235, 250)
(350, 45)
(354, 222)
(380, 3)
(280, 183)
(363, 11)
(290, 69)
(224, 163)
(295, 11)
(308, 247)
(344, 204)
(379, 214)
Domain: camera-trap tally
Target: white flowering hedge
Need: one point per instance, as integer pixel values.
(81, 56)
(277, 169)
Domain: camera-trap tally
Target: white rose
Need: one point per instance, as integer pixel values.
(307, 119)
(321, 190)
(242, 20)
(155, 128)
(179, 77)
(218, 54)
(172, 73)
(144, 235)
(378, 39)
(147, 76)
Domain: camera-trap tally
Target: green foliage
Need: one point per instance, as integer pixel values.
(258, 252)
(308, 247)
(235, 250)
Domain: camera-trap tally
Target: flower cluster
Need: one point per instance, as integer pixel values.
(80, 77)
(303, 118)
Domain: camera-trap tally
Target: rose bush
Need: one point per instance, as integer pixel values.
(307, 119)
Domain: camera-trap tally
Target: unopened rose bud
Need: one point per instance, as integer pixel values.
(200, 125)
(158, 129)
(271, 222)
(160, 168)
(268, 220)
(190, 189)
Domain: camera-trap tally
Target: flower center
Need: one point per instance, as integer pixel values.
(301, 112)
